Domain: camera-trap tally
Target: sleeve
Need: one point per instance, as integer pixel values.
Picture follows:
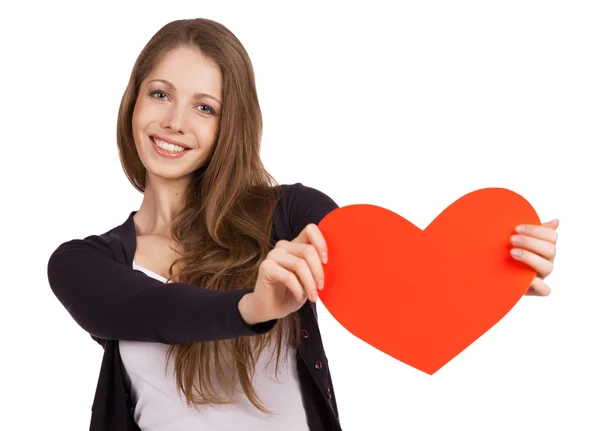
(305, 205)
(112, 301)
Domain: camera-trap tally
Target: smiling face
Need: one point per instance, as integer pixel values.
(178, 105)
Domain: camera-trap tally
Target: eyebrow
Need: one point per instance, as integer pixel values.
(198, 95)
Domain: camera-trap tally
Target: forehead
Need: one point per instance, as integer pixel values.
(189, 70)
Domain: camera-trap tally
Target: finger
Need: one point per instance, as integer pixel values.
(545, 249)
(310, 254)
(293, 284)
(311, 234)
(538, 288)
(300, 267)
(542, 266)
(552, 224)
(278, 274)
(545, 233)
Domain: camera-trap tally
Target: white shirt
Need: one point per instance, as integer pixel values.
(159, 407)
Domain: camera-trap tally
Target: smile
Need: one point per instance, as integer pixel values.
(168, 150)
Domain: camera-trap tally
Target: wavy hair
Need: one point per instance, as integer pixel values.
(224, 229)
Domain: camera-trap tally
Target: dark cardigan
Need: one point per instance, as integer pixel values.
(93, 278)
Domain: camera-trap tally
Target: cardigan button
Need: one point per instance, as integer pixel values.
(318, 365)
(328, 393)
(304, 333)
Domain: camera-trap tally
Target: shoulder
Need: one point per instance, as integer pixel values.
(301, 205)
(97, 243)
(112, 244)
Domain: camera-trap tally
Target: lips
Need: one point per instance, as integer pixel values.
(166, 153)
(169, 141)
(155, 141)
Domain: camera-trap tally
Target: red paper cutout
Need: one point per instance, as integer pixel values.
(423, 296)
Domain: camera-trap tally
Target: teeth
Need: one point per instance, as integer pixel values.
(168, 147)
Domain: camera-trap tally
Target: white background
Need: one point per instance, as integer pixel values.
(406, 105)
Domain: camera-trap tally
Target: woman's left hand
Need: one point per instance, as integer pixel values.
(536, 246)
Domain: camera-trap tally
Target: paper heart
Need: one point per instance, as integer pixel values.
(423, 296)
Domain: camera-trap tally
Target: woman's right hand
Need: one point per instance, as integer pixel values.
(291, 273)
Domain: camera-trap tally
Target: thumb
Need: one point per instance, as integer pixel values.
(552, 224)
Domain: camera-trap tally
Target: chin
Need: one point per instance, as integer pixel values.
(174, 173)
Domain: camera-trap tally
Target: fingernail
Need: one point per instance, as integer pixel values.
(324, 257)
(516, 252)
(321, 284)
(520, 229)
(515, 239)
(315, 296)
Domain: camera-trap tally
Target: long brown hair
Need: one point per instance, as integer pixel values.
(224, 229)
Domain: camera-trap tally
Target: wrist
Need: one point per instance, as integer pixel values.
(247, 309)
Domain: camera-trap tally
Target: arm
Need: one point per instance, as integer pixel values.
(110, 300)
(305, 205)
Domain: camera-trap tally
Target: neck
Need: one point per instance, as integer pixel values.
(163, 198)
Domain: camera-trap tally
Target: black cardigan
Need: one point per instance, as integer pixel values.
(94, 280)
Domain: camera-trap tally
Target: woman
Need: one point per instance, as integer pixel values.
(233, 341)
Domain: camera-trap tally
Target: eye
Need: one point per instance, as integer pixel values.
(158, 94)
(206, 109)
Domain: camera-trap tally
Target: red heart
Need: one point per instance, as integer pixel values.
(423, 296)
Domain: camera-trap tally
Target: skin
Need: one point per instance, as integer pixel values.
(174, 112)
(536, 247)
(181, 100)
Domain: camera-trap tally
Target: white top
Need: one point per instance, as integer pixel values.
(159, 407)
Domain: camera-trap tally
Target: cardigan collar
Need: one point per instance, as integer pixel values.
(127, 233)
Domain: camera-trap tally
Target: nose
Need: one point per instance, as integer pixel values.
(174, 119)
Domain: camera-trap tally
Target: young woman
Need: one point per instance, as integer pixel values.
(204, 298)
